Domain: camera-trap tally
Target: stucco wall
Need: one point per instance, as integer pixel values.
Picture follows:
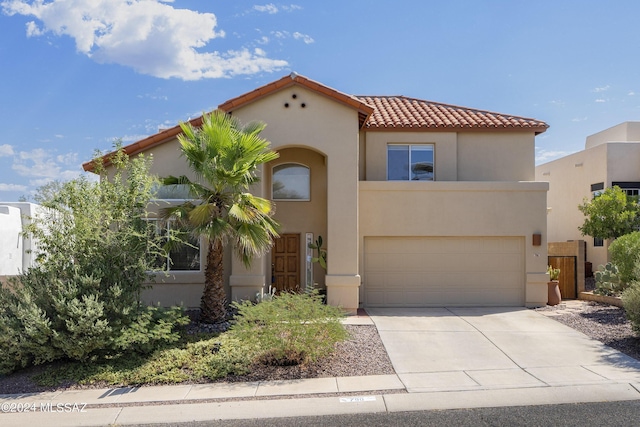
(453, 209)
(570, 179)
(492, 156)
(330, 129)
(464, 156)
(627, 131)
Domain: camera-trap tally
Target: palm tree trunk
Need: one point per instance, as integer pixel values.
(213, 305)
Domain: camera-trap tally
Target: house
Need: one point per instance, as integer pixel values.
(419, 203)
(17, 252)
(610, 157)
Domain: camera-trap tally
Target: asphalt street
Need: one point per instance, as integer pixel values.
(605, 414)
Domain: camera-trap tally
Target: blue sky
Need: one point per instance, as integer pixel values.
(75, 75)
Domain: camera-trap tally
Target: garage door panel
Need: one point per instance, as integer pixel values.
(444, 271)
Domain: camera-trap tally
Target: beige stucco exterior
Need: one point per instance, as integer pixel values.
(609, 156)
(483, 188)
(462, 209)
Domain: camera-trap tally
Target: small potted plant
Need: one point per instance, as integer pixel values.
(554, 296)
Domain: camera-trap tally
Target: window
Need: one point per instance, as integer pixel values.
(291, 181)
(181, 256)
(171, 192)
(598, 242)
(410, 162)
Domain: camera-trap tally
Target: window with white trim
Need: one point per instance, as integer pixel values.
(180, 256)
(410, 162)
(291, 181)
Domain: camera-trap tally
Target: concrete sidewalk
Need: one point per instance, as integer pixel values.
(444, 359)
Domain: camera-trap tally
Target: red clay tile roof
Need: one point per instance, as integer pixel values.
(402, 113)
(375, 113)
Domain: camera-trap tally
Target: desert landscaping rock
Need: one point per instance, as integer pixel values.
(364, 353)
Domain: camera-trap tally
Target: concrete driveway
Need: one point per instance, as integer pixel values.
(447, 349)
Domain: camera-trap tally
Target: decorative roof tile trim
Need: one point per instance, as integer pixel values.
(401, 113)
(290, 80)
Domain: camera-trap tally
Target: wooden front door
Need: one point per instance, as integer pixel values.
(285, 259)
(567, 279)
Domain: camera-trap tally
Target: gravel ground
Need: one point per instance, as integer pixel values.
(364, 353)
(605, 323)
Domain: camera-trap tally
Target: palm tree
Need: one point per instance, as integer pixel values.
(224, 156)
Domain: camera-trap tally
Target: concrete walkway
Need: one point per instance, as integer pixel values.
(445, 358)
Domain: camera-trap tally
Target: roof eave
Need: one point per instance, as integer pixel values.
(144, 144)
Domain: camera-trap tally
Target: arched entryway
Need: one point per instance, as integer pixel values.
(297, 184)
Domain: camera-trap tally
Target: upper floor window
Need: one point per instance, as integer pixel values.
(408, 162)
(291, 181)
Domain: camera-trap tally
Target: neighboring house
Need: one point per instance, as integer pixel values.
(610, 158)
(418, 203)
(16, 251)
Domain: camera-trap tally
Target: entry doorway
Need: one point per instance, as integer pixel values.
(285, 263)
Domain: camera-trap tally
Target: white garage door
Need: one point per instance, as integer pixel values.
(443, 271)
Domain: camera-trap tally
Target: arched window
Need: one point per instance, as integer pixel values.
(291, 181)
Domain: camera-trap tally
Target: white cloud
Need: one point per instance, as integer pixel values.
(631, 93)
(297, 35)
(41, 166)
(6, 150)
(601, 100)
(601, 89)
(12, 187)
(557, 102)
(280, 34)
(33, 30)
(544, 156)
(268, 8)
(149, 36)
(272, 9)
(304, 37)
(579, 119)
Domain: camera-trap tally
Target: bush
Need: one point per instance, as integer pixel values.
(625, 254)
(631, 302)
(82, 299)
(291, 328)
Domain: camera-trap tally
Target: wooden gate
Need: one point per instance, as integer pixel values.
(568, 278)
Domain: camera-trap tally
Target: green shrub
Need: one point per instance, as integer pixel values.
(290, 329)
(608, 280)
(625, 254)
(82, 299)
(209, 358)
(631, 302)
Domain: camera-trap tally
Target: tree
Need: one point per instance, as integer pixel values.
(82, 298)
(224, 156)
(610, 215)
